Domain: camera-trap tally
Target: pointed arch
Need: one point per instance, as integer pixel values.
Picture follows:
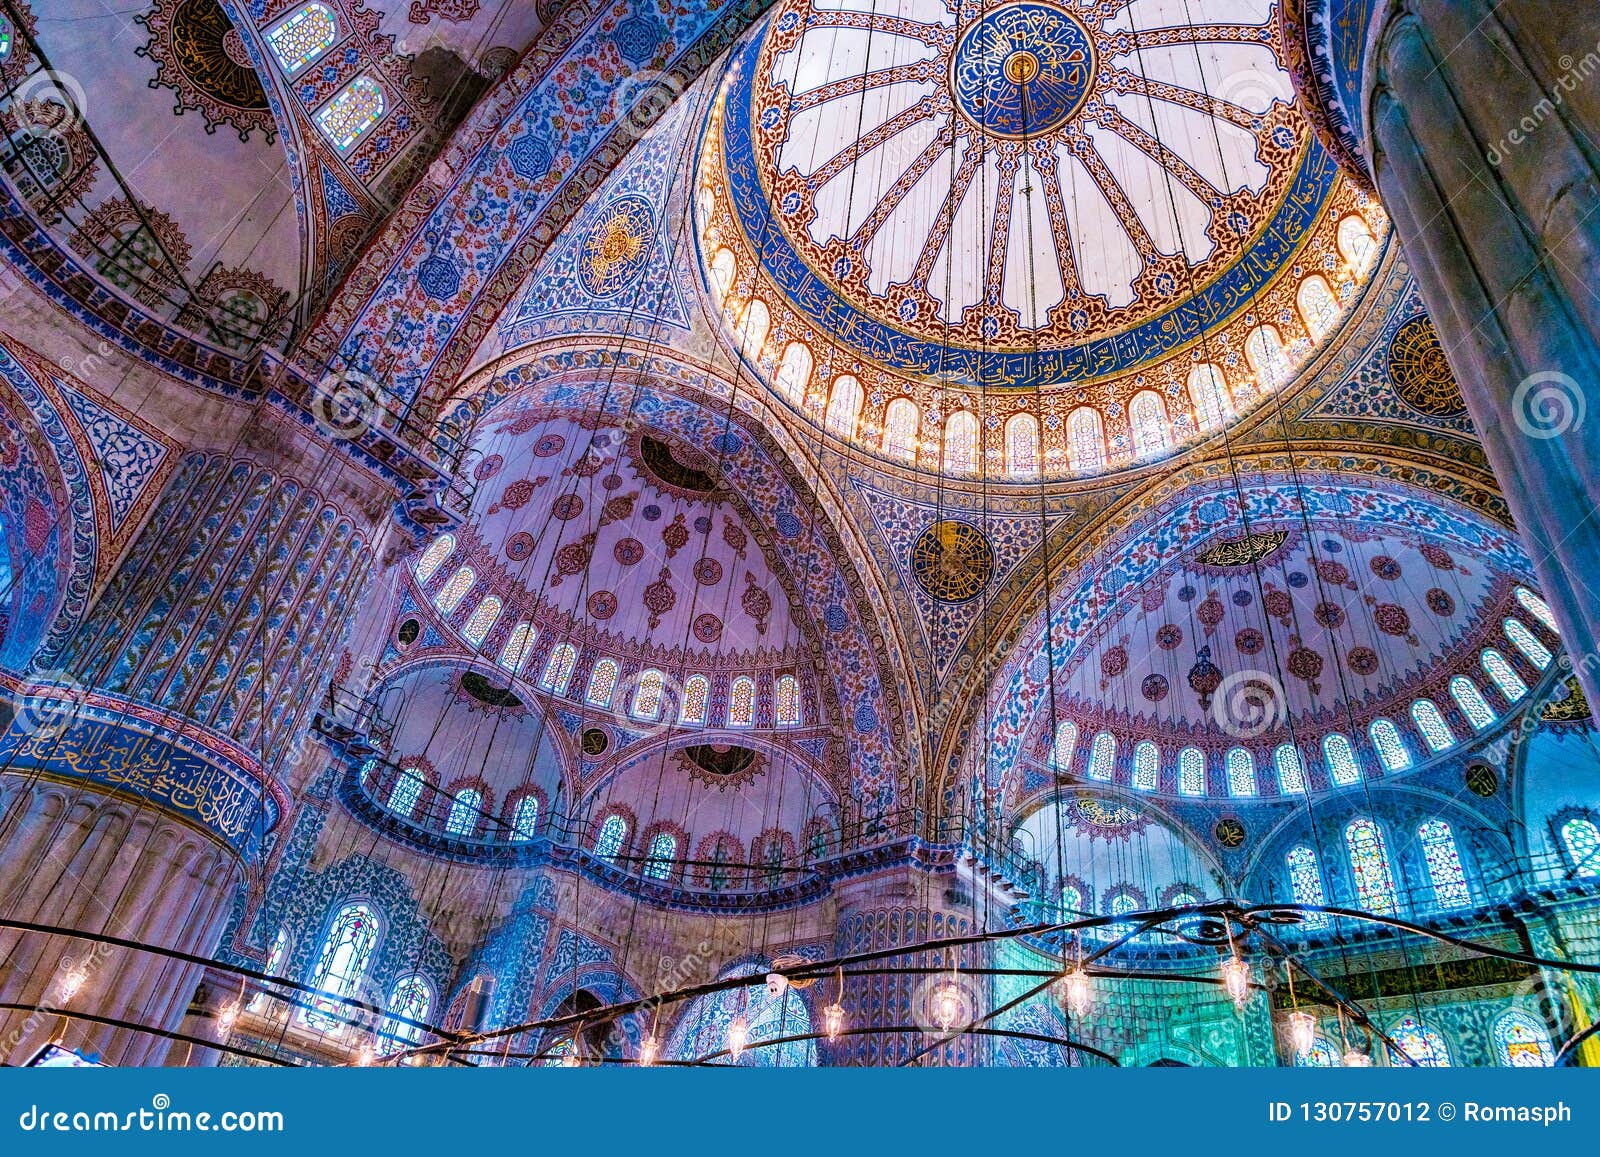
(1318, 305)
(794, 372)
(844, 406)
(1147, 413)
(900, 429)
(1192, 772)
(1430, 722)
(961, 443)
(1086, 441)
(1369, 867)
(1022, 446)
(1208, 394)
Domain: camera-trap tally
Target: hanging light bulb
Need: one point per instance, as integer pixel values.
(833, 1020)
(227, 1018)
(570, 1061)
(649, 1050)
(364, 1057)
(1236, 979)
(1355, 1059)
(72, 982)
(946, 1005)
(1077, 991)
(738, 1037)
(1302, 1032)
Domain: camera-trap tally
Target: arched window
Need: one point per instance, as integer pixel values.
(794, 371)
(451, 594)
(1522, 1042)
(1341, 760)
(1305, 881)
(1192, 771)
(1086, 443)
(1444, 865)
(724, 268)
(1148, 415)
(482, 621)
(1419, 1042)
(1208, 394)
(844, 406)
(1065, 746)
(1072, 899)
(1022, 446)
(1582, 840)
(663, 850)
(1241, 772)
(1369, 865)
(1291, 774)
(602, 681)
(303, 37)
(405, 792)
(1263, 349)
(1321, 1055)
(1102, 756)
(613, 834)
(433, 558)
(346, 118)
(558, 669)
(647, 695)
(342, 963)
(410, 997)
(742, 702)
(753, 329)
(900, 429)
(1430, 722)
(1528, 643)
(1123, 901)
(1356, 243)
(1471, 701)
(1391, 748)
(1146, 766)
(1538, 608)
(960, 443)
(696, 694)
(1504, 675)
(787, 701)
(518, 644)
(1319, 308)
(464, 811)
(525, 819)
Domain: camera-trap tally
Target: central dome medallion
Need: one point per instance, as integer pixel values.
(1022, 70)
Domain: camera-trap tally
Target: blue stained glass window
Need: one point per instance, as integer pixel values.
(1528, 643)
(411, 997)
(1471, 701)
(1369, 865)
(1291, 774)
(1321, 1055)
(1192, 771)
(558, 670)
(464, 811)
(1341, 759)
(1305, 880)
(1522, 1042)
(1430, 722)
(1122, 902)
(1444, 865)
(405, 792)
(525, 820)
(1102, 756)
(1582, 839)
(1504, 675)
(1419, 1042)
(1072, 899)
(303, 37)
(1146, 766)
(663, 850)
(696, 695)
(1538, 608)
(1391, 748)
(1241, 772)
(275, 959)
(342, 964)
(613, 833)
(1065, 746)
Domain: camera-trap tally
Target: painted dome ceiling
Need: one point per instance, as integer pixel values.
(1025, 209)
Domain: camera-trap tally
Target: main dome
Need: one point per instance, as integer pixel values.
(1048, 205)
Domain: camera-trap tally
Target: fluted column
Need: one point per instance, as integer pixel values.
(1486, 161)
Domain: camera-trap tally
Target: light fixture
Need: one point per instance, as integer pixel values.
(777, 983)
(72, 982)
(227, 1018)
(833, 1020)
(1356, 1059)
(1077, 991)
(738, 1037)
(1236, 979)
(649, 1050)
(1302, 1032)
(364, 1057)
(946, 1005)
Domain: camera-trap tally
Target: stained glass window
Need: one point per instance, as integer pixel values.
(613, 834)
(1430, 721)
(558, 669)
(406, 791)
(724, 269)
(1241, 772)
(342, 963)
(1291, 774)
(1356, 243)
(518, 644)
(345, 119)
(1319, 308)
(602, 680)
(742, 702)
(1208, 393)
(482, 621)
(433, 558)
(1504, 675)
(1391, 748)
(1065, 746)
(1471, 701)
(451, 594)
(788, 701)
(1086, 446)
(696, 694)
(1122, 902)
(900, 429)
(844, 406)
(1146, 766)
(1528, 643)
(1369, 864)
(1305, 881)
(1072, 899)
(753, 329)
(410, 997)
(1022, 446)
(647, 695)
(464, 810)
(961, 443)
(1148, 417)
(663, 850)
(303, 37)
(525, 819)
(794, 371)
(1192, 771)
(1321, 1055)
(1102, 756)
(1444, 865)
(1419, 1042)
(1522, 1042)
(1263, 349)
(1538, 608)
(1582, 839)
(1341, 760)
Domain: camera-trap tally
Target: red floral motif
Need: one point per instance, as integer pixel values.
(1169, 636)
(489, 467)
(1385, 567)
(519, 547)
(676, 535)
(628, 551)
(36, 523)
(1392, 619)
(707, 628)
(708, 572)
(515, 496)
(590, 464)
(1440, 602)
(1278, 604)
(1304, 663)
(1330, 615)
(1114, 662)
(617, 509)
(548, 445)
(602, 604)
(1210, 612)
(1333, 572)
(572, 558)
(756, 602)
(526, 424)
(567, 507)
(733, 534)
(1154, 688)
(659, 597)
(1362, 660)
(1249, 641)
(1438, 556)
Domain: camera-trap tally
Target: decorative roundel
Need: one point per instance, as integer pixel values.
(617, 245)
(1421, 373)
(1023, 69)
(1441, 602)
(836, 617)
(489, 467)
(602, 604)
(1211, 612)
(952, 561)
(1304, 663)
(408, 632)
(1392, 619)
(1333, 572)
(708, 572)
(1229, 832)
(1385, 567)
(628, 551)
(549, 445)
(1169, 636)
(1330, 615)
(566, 507)
(1154, 688)
(1249, 641)
(594, 741)
(707, 628)
(1114, 662)
(1362, 660)
(519, 547)
(1278, 604)
(1438, 556)
(1481, 780)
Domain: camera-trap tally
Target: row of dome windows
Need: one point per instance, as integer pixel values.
(1154, 433)
(302, 38)
(1520, 1041)
(1339, 754)
(653, 691)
